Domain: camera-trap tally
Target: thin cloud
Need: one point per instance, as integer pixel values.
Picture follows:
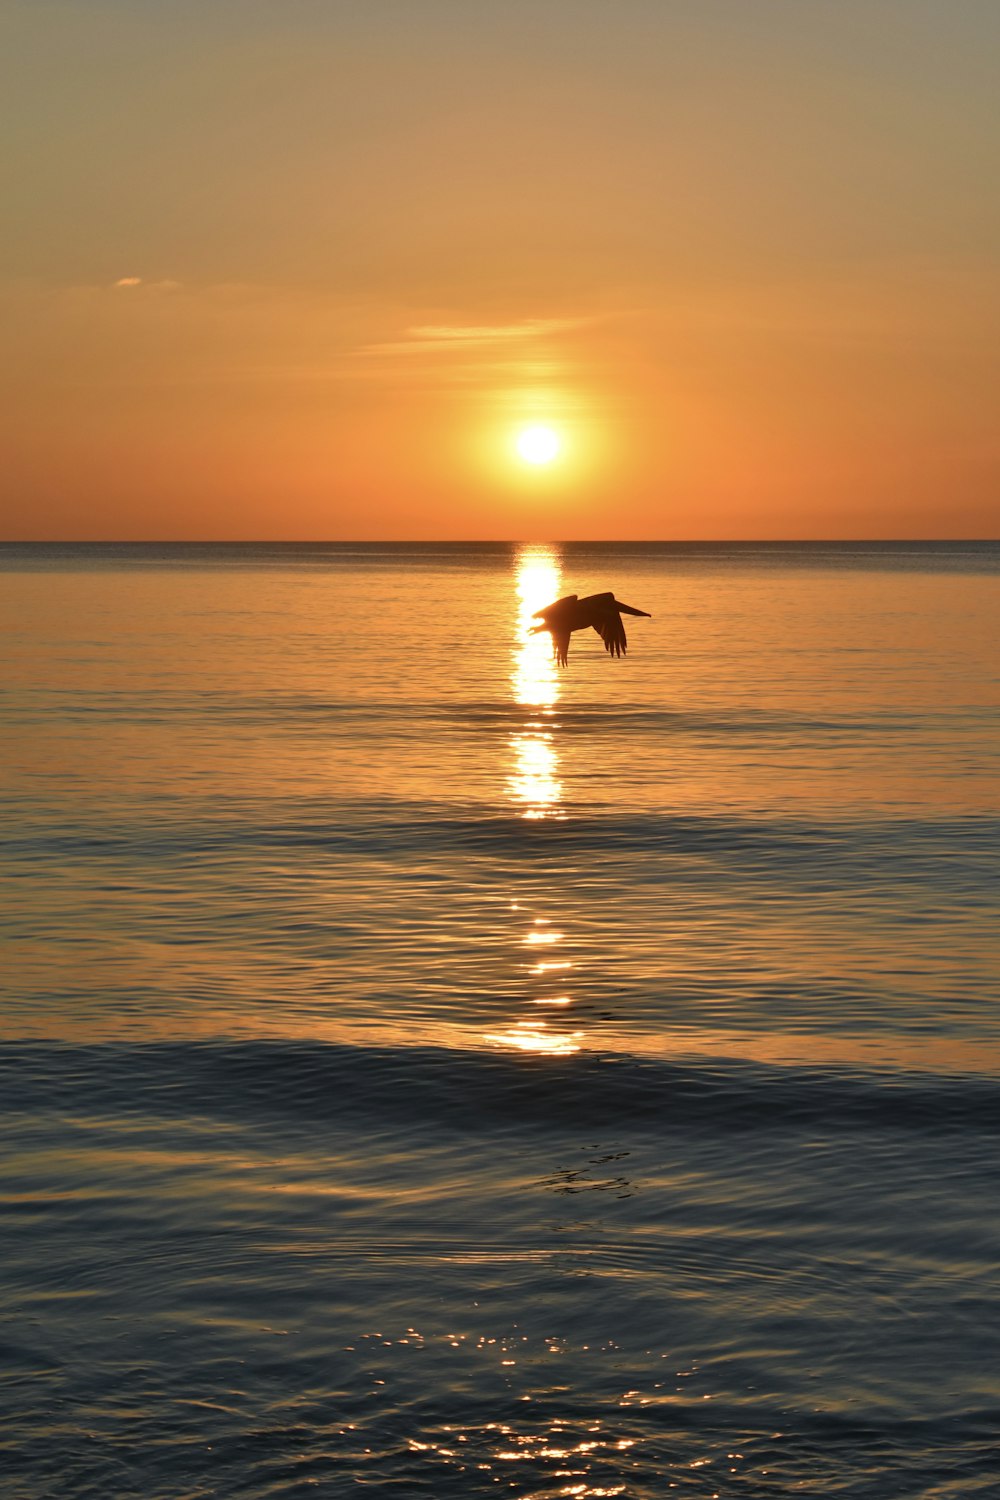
(433, 338)
(125, 283)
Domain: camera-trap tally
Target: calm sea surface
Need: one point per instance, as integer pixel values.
(429, 1072)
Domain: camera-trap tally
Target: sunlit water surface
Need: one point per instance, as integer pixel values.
(429, 1071)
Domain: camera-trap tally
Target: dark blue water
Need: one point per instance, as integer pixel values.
(429, 1072)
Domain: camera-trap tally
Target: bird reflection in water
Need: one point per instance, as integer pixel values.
(534, 778)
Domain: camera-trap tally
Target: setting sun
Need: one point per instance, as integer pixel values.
(538, 445)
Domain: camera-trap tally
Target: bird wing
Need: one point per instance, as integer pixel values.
(612, 633)
(552, 614)
(603, 613)
(558, 618)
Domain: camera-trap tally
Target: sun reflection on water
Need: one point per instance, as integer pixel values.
(534, 778)
(532, 1036)
(534, 786)
(531, 1033)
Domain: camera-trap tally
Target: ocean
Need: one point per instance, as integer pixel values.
(429, 1071)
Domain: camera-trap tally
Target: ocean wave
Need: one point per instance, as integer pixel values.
(952, 854)
(291, 712)
(309, 1084)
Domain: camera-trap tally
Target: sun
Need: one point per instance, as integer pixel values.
(538, 445)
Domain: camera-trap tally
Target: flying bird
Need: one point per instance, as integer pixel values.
(602, 611)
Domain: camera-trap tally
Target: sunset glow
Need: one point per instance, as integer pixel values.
(669, 284)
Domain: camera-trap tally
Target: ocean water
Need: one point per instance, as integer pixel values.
(426, 1071)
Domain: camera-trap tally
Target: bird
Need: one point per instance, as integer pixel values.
(602, 611)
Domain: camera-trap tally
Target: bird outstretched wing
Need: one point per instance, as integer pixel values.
(558, 619)
(612, 633)
(604, 616)
(560, 640)
(553, 613)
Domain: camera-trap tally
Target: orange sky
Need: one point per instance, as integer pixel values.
(302, 270)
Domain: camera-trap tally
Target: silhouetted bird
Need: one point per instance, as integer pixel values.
(602, 611)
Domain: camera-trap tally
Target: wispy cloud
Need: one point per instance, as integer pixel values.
(435, 338)
(127, 283)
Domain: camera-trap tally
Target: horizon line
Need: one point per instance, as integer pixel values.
(860, 541)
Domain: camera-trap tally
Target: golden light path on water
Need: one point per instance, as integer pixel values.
(533, 782)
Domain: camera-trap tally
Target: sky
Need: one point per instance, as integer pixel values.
(304, 269)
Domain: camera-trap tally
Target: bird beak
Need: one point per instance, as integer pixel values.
(630, 611)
